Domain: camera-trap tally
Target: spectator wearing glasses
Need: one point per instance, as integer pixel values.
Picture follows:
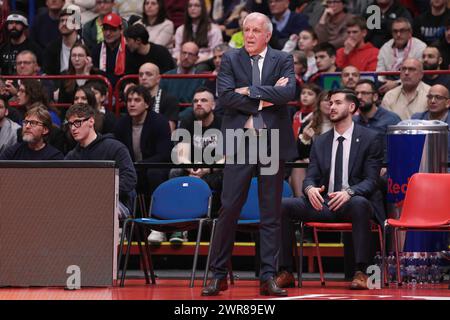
(332, 24)
(184, 89)
(95, 146)
(92, 30)
(390, 11)
(17, 41)
(438, 104)
(27, 65)
(394, 52)
(371, 114)
(410, 96)
(35, 130)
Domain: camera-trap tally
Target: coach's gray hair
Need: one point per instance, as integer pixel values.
(255, 15)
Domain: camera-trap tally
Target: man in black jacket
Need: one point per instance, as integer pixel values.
(146, 134)
(94, 146)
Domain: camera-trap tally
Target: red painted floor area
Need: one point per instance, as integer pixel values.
(241, 290)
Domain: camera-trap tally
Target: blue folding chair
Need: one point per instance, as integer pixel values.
(248, 219)
(179, 204)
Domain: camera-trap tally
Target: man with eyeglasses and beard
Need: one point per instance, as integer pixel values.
(16, 27)
(94, 146)
(438, 105)
(371, 114)
(35, 129)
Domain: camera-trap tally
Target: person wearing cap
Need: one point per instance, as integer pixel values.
(16, 26)
(45, 27)
(109, 55)
(92, 30)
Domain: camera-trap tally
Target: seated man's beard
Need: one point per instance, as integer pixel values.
(29, 138)
(365, 106)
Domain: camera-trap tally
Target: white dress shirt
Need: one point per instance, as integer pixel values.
(346, 144)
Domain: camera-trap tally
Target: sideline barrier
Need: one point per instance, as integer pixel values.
(56, 77)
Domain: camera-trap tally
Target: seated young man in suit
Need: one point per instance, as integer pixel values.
(340, 186)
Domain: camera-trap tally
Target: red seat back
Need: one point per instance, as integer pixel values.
(427, 199)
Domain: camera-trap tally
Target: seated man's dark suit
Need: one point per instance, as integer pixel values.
(365, 160)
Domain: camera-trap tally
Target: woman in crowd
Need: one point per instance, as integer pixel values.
(80, 63)
(105, 116)
(313, 124)
(198, 28)
(154, 18)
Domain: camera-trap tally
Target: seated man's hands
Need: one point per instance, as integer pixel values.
(338, 199)
(315, 198)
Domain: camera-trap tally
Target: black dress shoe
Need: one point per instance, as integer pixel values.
(270, 288)
(214, 287)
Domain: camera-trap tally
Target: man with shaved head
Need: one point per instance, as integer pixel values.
(438, 104)
(410, 96)
(162, 102)
(349, 77)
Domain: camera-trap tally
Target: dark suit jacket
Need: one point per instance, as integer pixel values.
(366, 158)
(236, 72)
(155, 137)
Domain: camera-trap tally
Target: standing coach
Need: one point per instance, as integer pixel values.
(254, 84)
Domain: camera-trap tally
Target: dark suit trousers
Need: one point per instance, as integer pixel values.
(236, 182)
(357, 210)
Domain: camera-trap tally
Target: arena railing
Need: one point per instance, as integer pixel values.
(58, 77)
(118, 88)
(375, 74)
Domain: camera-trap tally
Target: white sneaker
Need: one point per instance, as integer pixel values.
(178, 237)
(157, 237)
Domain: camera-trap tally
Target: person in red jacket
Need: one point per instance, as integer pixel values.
(356, 52)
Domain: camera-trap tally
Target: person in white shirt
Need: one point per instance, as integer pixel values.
(394, 52)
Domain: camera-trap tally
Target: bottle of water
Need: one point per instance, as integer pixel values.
(435, 272)
(411, 270)
(423, 269)
(378, 259)
(403, 265)
(392, 269)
